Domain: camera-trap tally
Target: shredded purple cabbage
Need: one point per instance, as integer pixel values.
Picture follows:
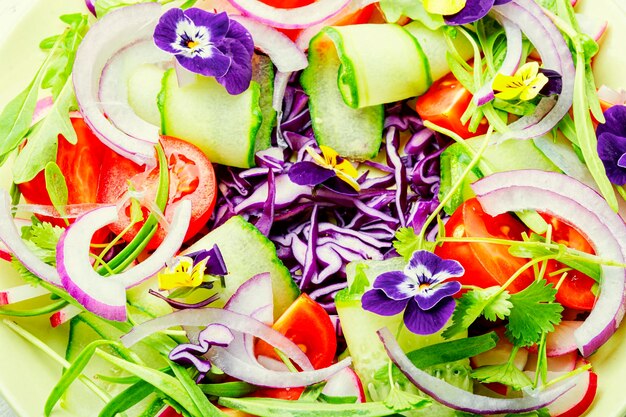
(317, 231)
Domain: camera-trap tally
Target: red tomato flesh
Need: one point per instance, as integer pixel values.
(444, 103)
(191, 177)
(486, 264)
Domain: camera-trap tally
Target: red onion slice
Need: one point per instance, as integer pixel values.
(555, 54)
(10, 236)
(282, 51)
(107, 37)
(234, 321)
(256, 375)
(113, 90)
(583, 208)
(106, 296)
(296, 18)
(459, 399)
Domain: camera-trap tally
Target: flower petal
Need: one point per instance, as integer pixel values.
(429, 268)
(427, 322)
(218, 24)
(309, 173)
(239, 75)
(165, 30)
(444, 7)
(216, 65)
(396, 285)
(340, 186)
(474, 10)
(611, 148)
(330, 155)
(534, 87)
(377, 302)
(429, 297)
(615, 121)
(240, 33)
(554, 84)
(621, 162)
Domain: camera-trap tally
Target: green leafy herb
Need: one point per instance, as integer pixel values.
(490, 302)
(406, 242)
(542, 412)
(534, 312)
(310, 393)
(506, 373)
(399, 400)
(414, 9)
(360, 282)
(228, 389)
(56, 187)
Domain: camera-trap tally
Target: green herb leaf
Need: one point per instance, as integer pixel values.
(542, 412)
(360, 282)
(42, 143)
(505, 373)
(534, 312)
(228, 389)
(395, 9)
(407, 242)
(399, 400)
(310, 393)
(473, 303)
(56, 187)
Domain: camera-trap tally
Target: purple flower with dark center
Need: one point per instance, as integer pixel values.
(419, 290)
(192, 354)
(472, 11)
(208, 44)
(612, 144)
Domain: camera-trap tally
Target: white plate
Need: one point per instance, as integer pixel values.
(27, 376)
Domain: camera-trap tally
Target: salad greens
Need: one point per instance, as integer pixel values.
(346, 219)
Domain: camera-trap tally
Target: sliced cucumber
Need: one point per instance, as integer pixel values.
(263, 74)
(353, 133)
(248, 252)
(359, 326)
(144, 85)
(372, 72)
(223, 126)
(434, 46)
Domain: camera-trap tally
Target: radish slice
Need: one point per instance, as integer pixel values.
(64, 315)
(106, 296)
(256, 375)
(575, 402)
(562, 340)
(281, 50)
(113, 90)
(234, 321)
(500, 354)
(563, 363)
(296, 18)
(592, 26)
(10, 236)
(611, 96)
(106, 38)
(459, 399)
(345, 383)
(568, 199)
(21, 293)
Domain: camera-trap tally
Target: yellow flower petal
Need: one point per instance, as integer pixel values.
(510, 93)
(349, 180)
(330, 155)
(347, 168)
(319, 160)
(444, 7)
(528, 71)
(503, 82)
(181, 274)
(534, 87)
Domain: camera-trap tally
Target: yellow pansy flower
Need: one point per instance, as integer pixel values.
(524, 85)
(444, 7)
(344, 169)
(182, 273)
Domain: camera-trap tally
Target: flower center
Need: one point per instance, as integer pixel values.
(192, 44)
(424, 286)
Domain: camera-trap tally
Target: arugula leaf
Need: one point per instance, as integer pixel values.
(407, 242)
(42, 143)
(56, 187)
(534, 312)
(488, 302)
(506, 373)
(414, 9)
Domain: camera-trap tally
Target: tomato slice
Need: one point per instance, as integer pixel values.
(576, 290)
(486, 264)
(307, 324)
(191, 177)
(444, 103)
(80, 164)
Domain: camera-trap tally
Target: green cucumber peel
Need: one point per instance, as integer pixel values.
(285, 408)
(73, 372)
(149, 228)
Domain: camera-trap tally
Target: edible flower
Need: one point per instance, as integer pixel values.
(461, 12)
(525, 84)
(208, 44)
(192, 353)
(612, 144)
(189, 270)
(419, 290)
(324, 169)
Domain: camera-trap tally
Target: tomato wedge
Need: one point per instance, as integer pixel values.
(307, 324)
(444, 103)
(576, 290)
(486, 264)
(191, 177)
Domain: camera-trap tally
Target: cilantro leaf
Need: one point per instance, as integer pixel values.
(475, 303)
(534, 312)
(399, 400)
(506, 373)
(395, 9)
(41, 238)
(406, 242)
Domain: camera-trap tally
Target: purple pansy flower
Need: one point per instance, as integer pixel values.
(419, 290)
(612, 144)
(474, 10)
(208, 44)
(192, 354)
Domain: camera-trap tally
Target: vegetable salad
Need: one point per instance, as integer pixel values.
(306, 208)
